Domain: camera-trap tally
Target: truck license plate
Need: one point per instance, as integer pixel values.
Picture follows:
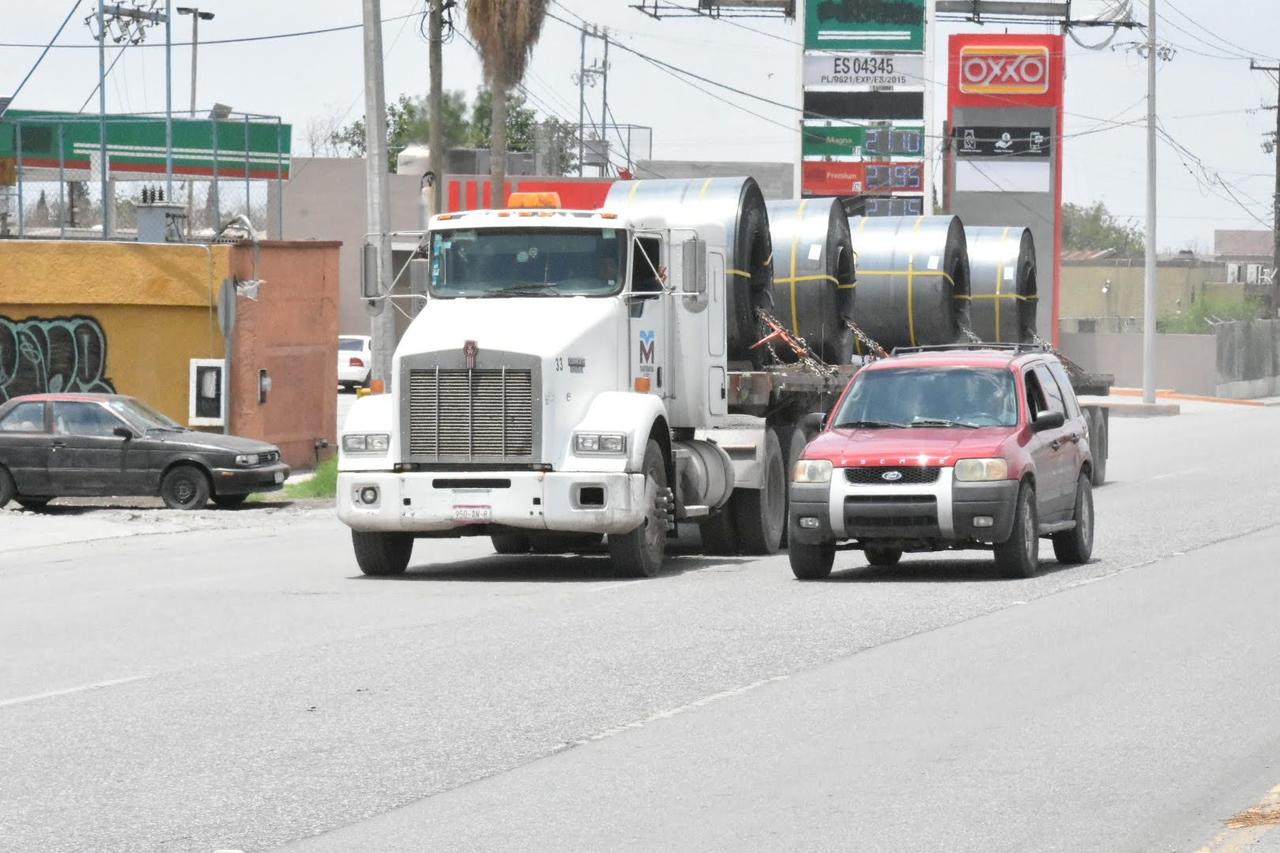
(471, 514)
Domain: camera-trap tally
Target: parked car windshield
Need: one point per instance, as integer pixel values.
(494, 262)
(143, 415)
(931, 396)
(350, 345)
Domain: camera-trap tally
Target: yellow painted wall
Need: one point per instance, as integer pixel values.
(155, 305)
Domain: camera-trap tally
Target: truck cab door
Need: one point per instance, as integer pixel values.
(718, 380)
(650, 317)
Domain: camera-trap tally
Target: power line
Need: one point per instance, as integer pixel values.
(43, 53)
(1245, 53)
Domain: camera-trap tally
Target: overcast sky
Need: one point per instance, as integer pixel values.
(1209, 100)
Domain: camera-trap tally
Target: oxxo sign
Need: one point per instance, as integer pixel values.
(1004, 70)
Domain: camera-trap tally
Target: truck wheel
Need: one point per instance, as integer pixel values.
(510, 543)
(185, 487)
(797, 439)
(762, 513)
(719, 538)
(1019, 555)
(8, 491)
(811, 562)
(382, 554)
(1098, 441)
(881, 557)
(1074, 547)
(639, 554)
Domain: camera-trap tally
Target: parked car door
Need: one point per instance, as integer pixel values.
(1060, 442)
(24, 447)
(88, 458)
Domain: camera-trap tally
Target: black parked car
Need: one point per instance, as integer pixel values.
(89, 445)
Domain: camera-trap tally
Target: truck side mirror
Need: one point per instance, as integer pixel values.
(419, 276)
(369, 287)
(694, 256)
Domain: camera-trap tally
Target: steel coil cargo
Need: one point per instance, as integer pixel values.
(1002, 278)
(913, 279)
(730, 214)
(813, 275)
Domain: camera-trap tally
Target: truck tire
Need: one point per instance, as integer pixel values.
(762, 513)
(882, 557)
(1019, 555)
(797, 440)
(640, 553)
(719, 538)
(1074, 547)
(510, 543)
(1099, 439)
(811, 562)
(381, 555)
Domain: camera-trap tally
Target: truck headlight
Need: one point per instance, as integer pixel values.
(378, 442)
(599, 442)
(812, 471)
(981, 470)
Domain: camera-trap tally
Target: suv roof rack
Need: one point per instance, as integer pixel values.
(973, 345)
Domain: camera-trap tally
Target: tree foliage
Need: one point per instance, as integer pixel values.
(1093, 228)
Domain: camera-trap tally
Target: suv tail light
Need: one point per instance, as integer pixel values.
(356, 362)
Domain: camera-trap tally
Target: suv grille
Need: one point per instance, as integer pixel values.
(481, 412)
(874, 476)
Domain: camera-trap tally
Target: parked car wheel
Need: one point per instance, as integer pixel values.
(881, 557)
(229, 501)
(34, 503)
(1019, 555)
(185, 487)
(1075, 546)
(811, 562)
(510, 543)
(7, 489)
(382, 554)
(640, 553)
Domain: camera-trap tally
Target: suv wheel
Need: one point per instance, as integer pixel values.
(1074, 547)
(1019, 555)
(811, 562)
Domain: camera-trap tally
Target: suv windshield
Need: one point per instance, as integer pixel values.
(140, 414)
(931, 396)
(483, 262)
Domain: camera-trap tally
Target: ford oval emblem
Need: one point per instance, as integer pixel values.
(891, 476)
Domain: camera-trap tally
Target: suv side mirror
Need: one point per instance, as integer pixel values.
(1048, 420)
(123, 432)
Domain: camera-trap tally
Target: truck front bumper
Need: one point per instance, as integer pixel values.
(454, 502)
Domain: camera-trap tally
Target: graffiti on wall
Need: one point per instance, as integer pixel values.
(52, 354)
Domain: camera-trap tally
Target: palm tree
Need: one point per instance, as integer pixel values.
(506, 31)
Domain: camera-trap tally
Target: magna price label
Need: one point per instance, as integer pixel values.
(1004, 70)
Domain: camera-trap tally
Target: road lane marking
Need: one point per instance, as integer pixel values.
(1181, 473)
(1248, 827)
(36, 697)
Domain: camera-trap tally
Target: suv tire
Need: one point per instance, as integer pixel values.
(881, 557)
(1074, 547)
(1019, 555)
(811, 562)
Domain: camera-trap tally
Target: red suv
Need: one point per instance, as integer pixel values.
(937, 448)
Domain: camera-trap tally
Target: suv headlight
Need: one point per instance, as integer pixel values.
(981, 470)
(359, 442)
(599, 442)
(812, 471)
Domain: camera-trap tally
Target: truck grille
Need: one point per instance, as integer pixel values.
(456, 412)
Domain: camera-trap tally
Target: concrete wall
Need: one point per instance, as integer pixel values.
(1185, 363)
(1248, 359)
(291, 331)
(96, 316)
(1178, 285)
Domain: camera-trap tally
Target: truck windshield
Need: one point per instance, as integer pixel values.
(961, 397)
(493, 262)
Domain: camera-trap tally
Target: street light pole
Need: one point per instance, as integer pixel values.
(168, 100)
(1149, 275)
(196, 17)
(382, 317)
(102, 118)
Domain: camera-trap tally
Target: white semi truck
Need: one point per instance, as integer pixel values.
(578, 374)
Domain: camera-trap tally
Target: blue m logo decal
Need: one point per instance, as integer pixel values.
(647, 346)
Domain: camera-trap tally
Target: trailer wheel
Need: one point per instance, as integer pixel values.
(1099, 441)
(640, 553)
(762, 513)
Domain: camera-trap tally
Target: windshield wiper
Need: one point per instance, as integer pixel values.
(165, 429)
(939, 422)
(868, 425)
(526, 290)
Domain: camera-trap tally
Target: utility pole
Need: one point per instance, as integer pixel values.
(582, 95)
(604, 104)
(1149, 276)
(107, 206)
(587, 77)
(435, 139)
(196, 17)
(382, 320)
(1275, 205)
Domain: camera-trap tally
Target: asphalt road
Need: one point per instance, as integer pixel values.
(240, 686)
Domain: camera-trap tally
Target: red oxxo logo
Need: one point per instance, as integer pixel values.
(1004, 70)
